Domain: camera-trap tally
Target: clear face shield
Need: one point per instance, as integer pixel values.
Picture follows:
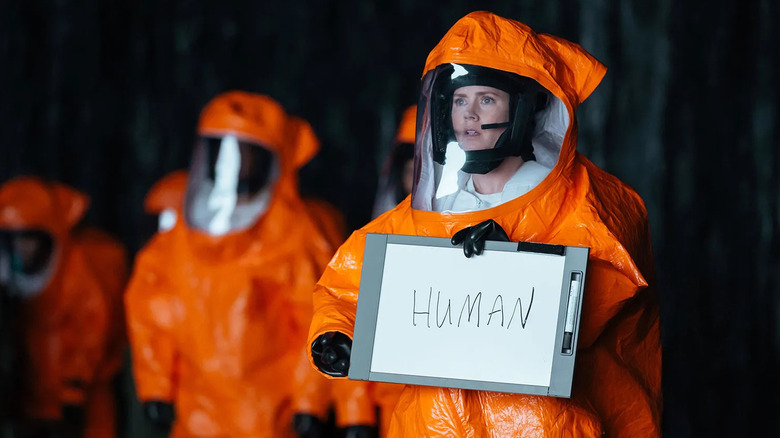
(27, 262)
(230, 184)
(471, 119)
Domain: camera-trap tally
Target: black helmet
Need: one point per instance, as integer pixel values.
(526, 98)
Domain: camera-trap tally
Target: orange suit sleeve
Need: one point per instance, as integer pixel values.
(353, 403)
(149, 312)
(83, 334)
(336, 293)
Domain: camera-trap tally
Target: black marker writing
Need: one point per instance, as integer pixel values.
(471, 308)
(519, 303)
(415, 312)
(447, 313)
(477, 302)
(500, 309)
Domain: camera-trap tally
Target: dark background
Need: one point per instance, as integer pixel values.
(105, 96)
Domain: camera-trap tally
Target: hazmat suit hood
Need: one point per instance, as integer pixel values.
(44, 212)
(575, 204)
(476, 44)
(245, 142)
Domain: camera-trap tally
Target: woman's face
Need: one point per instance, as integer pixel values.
(474, 106)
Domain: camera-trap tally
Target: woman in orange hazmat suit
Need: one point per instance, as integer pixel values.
(496, 158)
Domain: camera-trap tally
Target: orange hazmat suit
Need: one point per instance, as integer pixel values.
(73, 328)
(617, 378)
(217, 323)
(315, 394)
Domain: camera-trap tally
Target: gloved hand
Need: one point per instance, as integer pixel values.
(71, 425)
(160, 413)
(37, 428)
(307, 426)
(474, 237)
(73, 421)
(331, 352)
(361, 432)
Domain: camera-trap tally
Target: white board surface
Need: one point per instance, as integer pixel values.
(514, 298)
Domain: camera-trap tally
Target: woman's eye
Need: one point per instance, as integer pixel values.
(487, 100)
(459, 101)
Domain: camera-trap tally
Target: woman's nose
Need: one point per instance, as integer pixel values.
(470, 114)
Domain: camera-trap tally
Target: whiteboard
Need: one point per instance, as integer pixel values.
(428, 315)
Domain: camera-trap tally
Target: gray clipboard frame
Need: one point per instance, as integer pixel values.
(562, 371)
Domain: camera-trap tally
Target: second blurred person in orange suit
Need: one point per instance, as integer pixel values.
(397, 173)
(219, 304)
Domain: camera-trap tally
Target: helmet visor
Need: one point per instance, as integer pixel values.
(230, 184)
(451, 154)
(26, 261)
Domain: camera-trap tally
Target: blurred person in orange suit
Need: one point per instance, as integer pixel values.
(314, 399)
(397, 172)
(218, 305)
(63, 325)
(317, 396)
(496, 159)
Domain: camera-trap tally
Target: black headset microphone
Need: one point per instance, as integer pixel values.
(495, 125)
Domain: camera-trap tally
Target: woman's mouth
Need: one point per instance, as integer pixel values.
(471, 132)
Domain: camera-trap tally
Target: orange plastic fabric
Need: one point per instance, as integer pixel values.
(330, 221)
(617, 381)
(406, 129)
(218, 324)
(315, 394)
(74, 329)
(167, 193)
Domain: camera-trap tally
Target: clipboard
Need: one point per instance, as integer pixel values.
(506, 321)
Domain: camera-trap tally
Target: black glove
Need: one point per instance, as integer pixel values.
(474, 238)
(361, 432)
(307, 426)
(37, 428)
(73, 421)
(160, 413)
(331, 353)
